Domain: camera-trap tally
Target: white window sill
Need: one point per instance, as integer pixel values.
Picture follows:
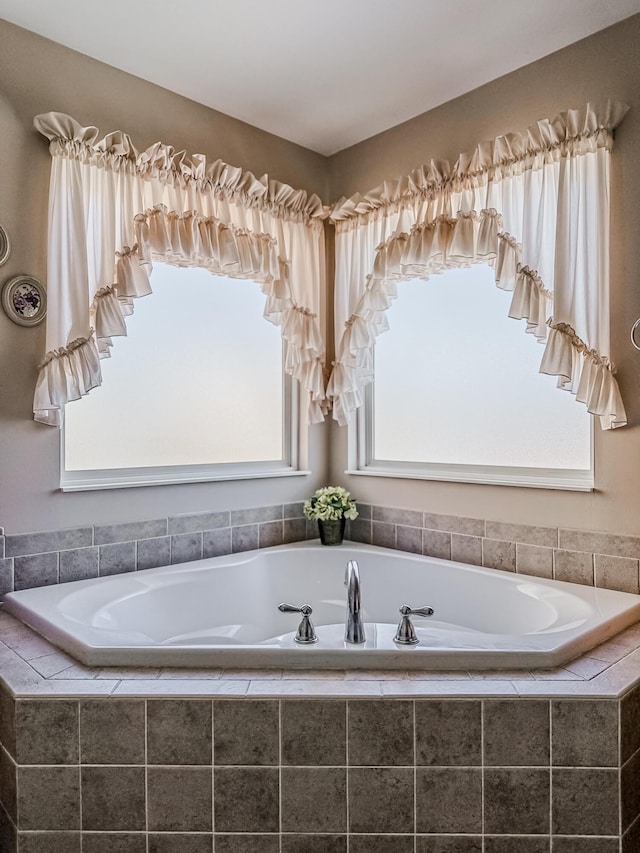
(490, 477)
(93, 483)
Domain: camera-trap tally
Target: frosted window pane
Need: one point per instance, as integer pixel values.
(457, 382)
(198, 380)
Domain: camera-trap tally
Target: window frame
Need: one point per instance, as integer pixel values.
(122, 478)
(292, 462)
(361, 462)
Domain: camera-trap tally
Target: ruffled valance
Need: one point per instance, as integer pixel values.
(161, 162)
(114, 210)
(570, 133)
(549, 251)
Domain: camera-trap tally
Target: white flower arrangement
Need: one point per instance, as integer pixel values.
(330, 503)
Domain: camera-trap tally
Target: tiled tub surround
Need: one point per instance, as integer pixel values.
(277, 762)
(224, 612)
(36, 559)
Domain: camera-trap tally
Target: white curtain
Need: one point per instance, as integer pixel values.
(113, 210)
(534, 205)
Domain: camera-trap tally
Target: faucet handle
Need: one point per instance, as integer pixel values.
(417, 611)
(306, 632)
(406, 634)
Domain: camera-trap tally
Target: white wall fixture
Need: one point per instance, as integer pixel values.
(5, 245)
(24, 300)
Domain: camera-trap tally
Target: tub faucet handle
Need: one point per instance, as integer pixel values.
(406, 634)
(306, 632)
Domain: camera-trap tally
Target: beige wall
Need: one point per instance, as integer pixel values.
(37, 76)
(606, 65)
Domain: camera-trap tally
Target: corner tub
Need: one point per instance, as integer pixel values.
(224, 612)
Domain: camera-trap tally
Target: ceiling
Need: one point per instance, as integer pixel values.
(323, 73)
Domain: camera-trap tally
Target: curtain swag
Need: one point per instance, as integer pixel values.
(114, 210)
(549, 250)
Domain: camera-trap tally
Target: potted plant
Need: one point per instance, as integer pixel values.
(330, 507)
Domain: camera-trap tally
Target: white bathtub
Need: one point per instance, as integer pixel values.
(224, 612)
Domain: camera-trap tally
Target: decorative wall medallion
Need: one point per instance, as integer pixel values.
(5, 245)
(24, 300)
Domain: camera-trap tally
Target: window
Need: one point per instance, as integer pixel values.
(196, 391)
(464, 400)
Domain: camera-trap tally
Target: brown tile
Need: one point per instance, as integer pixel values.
(112, 731)
(466, 549)
(585, 733)
(247, 799)
(216, 543)
(176, 843)
(295, 530)
(516, 844)
(587, 845)
(49, 797)
(7, 720)
(117, 558)
(630, 791)
(78, 564)
(436, 543)
(271, 533)
(316, 843)
(186, 547)
(179, 799)
(314, 799)
(8, 836)
(630, 840)
(448, 732)
(8, 785)
(250, 844)
(454, 524)
(49, 842)
(409, 539)
(534, 560)
(381, 800)
(36, 570)
(448, 844)
(629, 724)
(380, 733)
(246, 732)
(383, 534)
(438, 789)
(112, 842)
(585, 802)
(113, 798)
(516, 732)
(380, 844)
(179, 731)
(619, 573)
(314, 732)
(408, 517)
(573, 567)
(152, 553)
(47, 731)
(526, 534)
(600, 543)
(245, 538)
(359, 531)
(499, 555)
(516, 801)
(256, 515)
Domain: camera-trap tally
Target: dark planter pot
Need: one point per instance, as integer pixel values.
(331, 532)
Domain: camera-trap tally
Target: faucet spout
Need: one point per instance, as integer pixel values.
(354, 626)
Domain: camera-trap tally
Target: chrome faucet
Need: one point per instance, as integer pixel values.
(354, 627)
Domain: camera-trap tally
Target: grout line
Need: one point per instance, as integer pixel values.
(482, 767)
(146, 779)
(213, 766)
(280, 775)
(550, 771)
(347, 770)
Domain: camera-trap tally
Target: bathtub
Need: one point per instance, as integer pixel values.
(224, 612)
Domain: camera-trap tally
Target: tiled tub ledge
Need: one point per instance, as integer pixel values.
(283, 761)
